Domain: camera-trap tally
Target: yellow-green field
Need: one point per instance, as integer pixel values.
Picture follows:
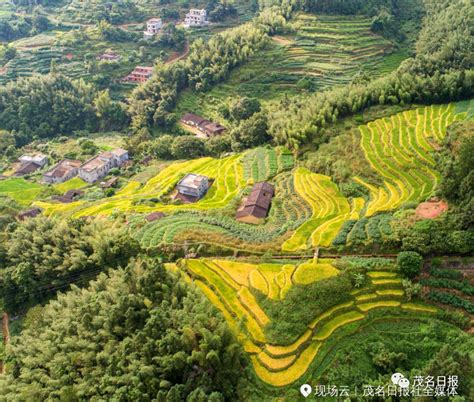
(399, 149)
(231, 286)
(330, 210)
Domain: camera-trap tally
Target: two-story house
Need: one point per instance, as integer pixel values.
(195, 18)
(153, 27)
(193, 185)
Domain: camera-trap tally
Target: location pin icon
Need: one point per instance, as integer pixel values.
(305, 390)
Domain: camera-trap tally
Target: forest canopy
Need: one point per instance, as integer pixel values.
(141, 333)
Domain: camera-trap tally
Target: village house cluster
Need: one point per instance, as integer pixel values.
(208, 128)
(90, 171)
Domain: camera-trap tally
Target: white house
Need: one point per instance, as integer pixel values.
(98, 166)
(196, 18)
(153, 27)
(194, 185)
(39, 159)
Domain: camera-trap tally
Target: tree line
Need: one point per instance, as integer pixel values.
(52, 105)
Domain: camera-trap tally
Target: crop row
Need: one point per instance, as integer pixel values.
(373, 230)
(288, 211)
(229, 284)
(330, 209)
(260, 164)
(399, 149)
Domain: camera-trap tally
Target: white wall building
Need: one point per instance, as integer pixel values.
(153, 27)
(196, 18)
(39, 159)
(194, 185)
(98, 166)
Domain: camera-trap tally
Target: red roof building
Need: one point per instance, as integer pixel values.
(139, 74)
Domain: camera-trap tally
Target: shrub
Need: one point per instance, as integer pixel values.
(187, 147)
(409, 263)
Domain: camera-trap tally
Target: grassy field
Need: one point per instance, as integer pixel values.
(21, 190)
(323, 52)
(232, 287)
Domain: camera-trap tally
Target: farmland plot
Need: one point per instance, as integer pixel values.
(400, 149)
(233, 287)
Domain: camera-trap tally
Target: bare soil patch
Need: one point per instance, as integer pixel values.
(282, 41)
(431, 209)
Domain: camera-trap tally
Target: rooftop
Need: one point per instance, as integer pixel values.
(26, 168)
(63, 167)
(194, 118)
(258, 202)
(192, 180)
(119, 152)
(214, 127)
(93, 163)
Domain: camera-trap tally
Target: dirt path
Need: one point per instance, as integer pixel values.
(178, 56)
(431, 209)
(6, 339)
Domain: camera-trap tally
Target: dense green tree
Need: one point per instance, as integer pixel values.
(141, 333)
(45, 255)
(409, 263)
(7, 139)
(218, 145)
(187, 147)
(51, 105)
(243, 108)
(456, 164)
(251, 132)
(161, 147)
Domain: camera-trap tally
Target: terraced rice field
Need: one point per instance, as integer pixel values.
(325, 51)
(400, 149)
(288, 211)
(231, 286)
(229, 175)
(330, 210)
(29, 62)
(260, 164)
(228, 181)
